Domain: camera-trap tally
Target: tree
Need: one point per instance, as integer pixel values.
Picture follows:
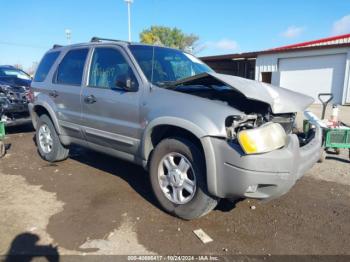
(171, 37)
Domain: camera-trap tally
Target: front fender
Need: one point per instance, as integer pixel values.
(147, 145)
(210, 158)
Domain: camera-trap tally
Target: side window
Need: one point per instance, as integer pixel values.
(108, 66)
(71, 68)
(45, 66)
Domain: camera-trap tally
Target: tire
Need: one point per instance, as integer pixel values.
(323, 156)
(196, 204)
(57, 151)
(2, 149)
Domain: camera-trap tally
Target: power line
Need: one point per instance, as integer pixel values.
(23, 45)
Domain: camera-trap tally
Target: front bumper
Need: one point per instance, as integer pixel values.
(15, 114)
(18, 121)
(273, 173)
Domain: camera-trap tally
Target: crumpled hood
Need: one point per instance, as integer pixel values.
(280, 99)
(14, 81)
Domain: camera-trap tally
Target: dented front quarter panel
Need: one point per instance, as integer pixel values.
(205, 117)
(201, 116)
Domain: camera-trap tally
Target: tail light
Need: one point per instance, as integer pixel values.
(30, 95)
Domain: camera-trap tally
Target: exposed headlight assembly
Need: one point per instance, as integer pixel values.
(266, 138)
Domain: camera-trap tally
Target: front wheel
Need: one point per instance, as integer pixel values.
(178, 179)
(323, 156)
(2, 149)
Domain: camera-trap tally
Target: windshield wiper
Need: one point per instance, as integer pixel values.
(167, 84)
(203, 79)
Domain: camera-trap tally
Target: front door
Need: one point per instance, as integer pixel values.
(110, 113)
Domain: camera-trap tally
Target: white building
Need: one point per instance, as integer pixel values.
(320, 66)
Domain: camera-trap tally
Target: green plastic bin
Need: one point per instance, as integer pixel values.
(337, 138)
(2, 130)
(2, 136)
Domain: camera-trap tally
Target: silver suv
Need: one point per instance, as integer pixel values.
(203, 136)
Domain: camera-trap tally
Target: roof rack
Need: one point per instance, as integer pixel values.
(56, 46)
(100, 39)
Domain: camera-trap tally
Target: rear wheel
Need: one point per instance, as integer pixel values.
(178, 179)
(49, 145)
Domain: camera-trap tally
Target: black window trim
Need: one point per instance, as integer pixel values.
(52, 66)
(127, 59)
(54, 78)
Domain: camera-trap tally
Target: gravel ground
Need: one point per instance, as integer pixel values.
(95, 204)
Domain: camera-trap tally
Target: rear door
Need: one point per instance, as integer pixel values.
(111, 114)
(66, 90)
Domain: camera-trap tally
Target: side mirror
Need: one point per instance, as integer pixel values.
(126, 83)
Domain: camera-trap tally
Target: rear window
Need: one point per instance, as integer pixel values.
(70, 70)
(45, 66)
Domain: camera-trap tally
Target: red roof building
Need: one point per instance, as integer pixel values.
(312, 67)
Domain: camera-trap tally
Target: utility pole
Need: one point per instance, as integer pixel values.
(68, 36)
(129, 2)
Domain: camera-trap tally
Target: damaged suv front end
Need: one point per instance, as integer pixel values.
(263, 154)
(14, 105)
(14, 96)
(247, 128)
(263, 162)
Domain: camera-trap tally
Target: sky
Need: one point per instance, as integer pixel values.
(30, 27)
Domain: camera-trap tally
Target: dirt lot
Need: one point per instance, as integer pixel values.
(95, 204)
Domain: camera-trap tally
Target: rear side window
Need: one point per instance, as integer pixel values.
(45, 66)
(70, 70)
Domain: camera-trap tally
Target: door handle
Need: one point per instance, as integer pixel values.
(53, 93)
(90, 99)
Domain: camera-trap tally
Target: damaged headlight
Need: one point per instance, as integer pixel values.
(265, 138)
